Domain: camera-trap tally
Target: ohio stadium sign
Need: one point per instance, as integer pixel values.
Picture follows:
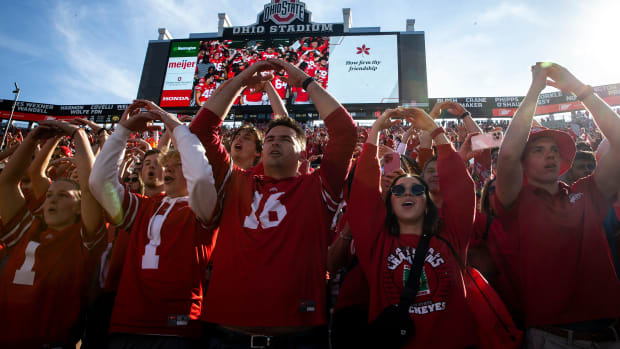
(285, 17)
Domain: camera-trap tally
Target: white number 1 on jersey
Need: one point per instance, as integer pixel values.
(25, 274)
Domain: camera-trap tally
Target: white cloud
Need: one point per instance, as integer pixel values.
(19, 46)
(91, 72)
(509, 11)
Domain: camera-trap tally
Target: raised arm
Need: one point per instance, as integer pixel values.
(8, 152)
(103, 181)
(607, 171)
(206, 124)
(36, 171)
(454, 180)
(12, 199)
(164, 141)
(274, 99)
(91, 213)
(324, 102)
(509, 168)
(222, 99)
(365, 208)
(196, 168)
(340, 127)
(402, 147)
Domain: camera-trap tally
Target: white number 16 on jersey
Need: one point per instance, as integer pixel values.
(271, 215)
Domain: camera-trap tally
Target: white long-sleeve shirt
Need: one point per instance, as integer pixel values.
(197, 171)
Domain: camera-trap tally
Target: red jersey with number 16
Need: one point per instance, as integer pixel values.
(269, 267)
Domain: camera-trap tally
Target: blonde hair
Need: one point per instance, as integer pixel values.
(168, 157)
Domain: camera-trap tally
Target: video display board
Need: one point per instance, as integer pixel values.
(355, 69)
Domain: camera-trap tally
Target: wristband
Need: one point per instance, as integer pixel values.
(436, 132)
(464, 115)
(307, 82)
(587, 91)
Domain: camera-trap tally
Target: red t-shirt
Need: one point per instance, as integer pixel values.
(440, 312)
(44, 285)
(270, 264)
(566, 272)
(161, 286)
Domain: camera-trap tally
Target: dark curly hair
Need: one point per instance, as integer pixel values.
(431, 216)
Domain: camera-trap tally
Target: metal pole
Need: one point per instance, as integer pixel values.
(6, 129)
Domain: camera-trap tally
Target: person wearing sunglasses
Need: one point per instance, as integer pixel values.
(134, 184)
(386, 233)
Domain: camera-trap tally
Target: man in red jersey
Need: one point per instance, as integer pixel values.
(566, 282)
(268, 282)
(269, 54)
(280, 85)
(44, 285)
(204, 89)
(217, 61)
(156, 305)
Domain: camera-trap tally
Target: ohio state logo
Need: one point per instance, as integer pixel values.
(284, 11)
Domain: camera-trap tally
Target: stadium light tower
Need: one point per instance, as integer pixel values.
(164, 34)
(347, 19)
(6, 129)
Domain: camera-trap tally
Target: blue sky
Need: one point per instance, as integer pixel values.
(87, 52)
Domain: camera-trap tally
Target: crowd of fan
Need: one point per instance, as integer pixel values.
(218, 62)
(286, 236)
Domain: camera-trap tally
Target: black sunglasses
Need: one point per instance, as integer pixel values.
(132, 179)
(416, 189)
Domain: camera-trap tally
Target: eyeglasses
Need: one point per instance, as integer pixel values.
(132, 180)
(416, 189)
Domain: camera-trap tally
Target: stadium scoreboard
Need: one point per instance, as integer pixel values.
(363, 68)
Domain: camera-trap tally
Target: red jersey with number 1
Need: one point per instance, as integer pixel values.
(161, 286)
(44, 285)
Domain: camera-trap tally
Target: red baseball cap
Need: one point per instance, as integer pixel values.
(565, 143)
